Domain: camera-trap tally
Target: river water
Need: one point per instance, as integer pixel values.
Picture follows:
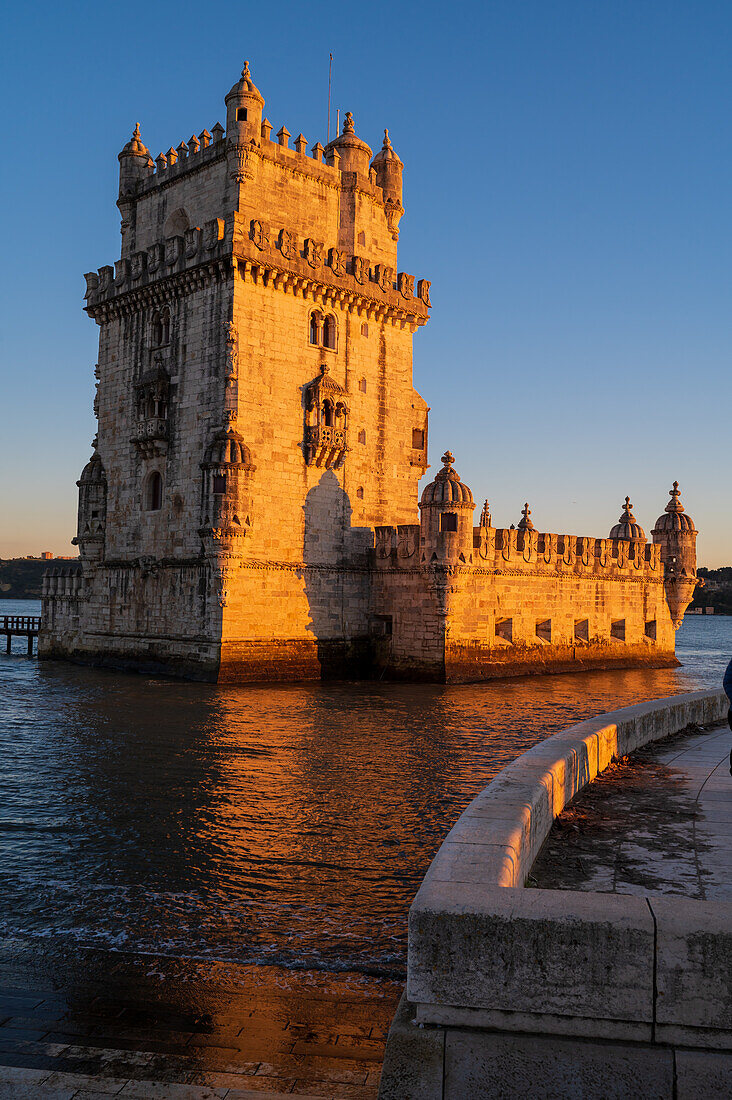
(286, 825)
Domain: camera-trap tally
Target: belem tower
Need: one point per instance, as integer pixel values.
(250, 510)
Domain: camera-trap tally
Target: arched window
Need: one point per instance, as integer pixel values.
(329, 332)
(315, 328)
(328, 413)
(154, 494)
(359, 492)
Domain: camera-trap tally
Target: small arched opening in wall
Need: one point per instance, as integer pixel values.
(160, 328)
(177, 223)
(153, 494)
(316, 328)
(330, 332)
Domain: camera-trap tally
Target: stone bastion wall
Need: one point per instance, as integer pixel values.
(590, 994)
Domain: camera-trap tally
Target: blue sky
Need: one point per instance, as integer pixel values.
(567, 188)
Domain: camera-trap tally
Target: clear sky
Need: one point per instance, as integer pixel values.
(567, 188)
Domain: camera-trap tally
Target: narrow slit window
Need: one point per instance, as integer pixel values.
(155, 492)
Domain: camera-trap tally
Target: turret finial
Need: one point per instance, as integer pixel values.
(136, 131)
(387, 140)
(348, 123)
(485, 515)
(525, 523)
(675, 505)
(245, 74)
(448, 458)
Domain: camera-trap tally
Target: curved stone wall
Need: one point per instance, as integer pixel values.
(498, 971)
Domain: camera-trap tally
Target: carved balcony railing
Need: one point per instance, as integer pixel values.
(151, 436)
(325, 446)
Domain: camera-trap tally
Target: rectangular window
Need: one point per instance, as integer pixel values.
(417, 439)
(382, 626)
(219, 484)
(448, 521)
(581, 630)
(241, 114)
(617, 629)
(504, 630)
(651, 629)
(544, 630)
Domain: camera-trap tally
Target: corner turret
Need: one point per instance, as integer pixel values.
(446, 518)
(135, 163)
(244, 107)
(389, 168)
(92, 516)
(675, 533)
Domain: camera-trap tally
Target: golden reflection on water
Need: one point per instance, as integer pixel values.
(288, 825)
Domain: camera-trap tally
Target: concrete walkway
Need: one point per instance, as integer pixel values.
(657, 822)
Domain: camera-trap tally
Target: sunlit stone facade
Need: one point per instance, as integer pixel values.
(250, 509)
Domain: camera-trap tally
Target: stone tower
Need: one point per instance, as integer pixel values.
(675, 533)
(255, 403)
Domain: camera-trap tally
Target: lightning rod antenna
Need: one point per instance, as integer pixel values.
(330, 81)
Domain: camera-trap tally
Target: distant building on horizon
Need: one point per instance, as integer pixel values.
(250, 509)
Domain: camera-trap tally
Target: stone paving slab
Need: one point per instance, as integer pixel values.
(657, 822)
(94, 1023)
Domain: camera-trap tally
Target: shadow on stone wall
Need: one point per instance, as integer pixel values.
(336, 578)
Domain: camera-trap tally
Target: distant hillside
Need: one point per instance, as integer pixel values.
(21, 578)
(717, 590)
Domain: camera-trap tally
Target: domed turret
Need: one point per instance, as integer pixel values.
(388, 170)
(355, 154)
(446, 519)
(627, 527)
(135, 163)
(92, 515)
(244, 106)
(675, 533)
(227, 448)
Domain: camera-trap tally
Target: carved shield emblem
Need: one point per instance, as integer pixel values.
(286, 244)
(359, 269)
(336, 261)
(173, 250)
(384, 276)
(383, 541)
(213, 232)
(192, 240)
(407, 538)
(137, 265)
(406, 284)
(313, 252)
(423, 291)
(259, 233)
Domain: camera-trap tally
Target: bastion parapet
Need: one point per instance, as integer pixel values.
(250, 510)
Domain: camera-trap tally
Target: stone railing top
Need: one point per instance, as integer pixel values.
(497, 838)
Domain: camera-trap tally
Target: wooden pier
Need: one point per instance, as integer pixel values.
(22, 626)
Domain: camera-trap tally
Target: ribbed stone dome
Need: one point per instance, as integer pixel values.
(135, 147)
(627, 527)
(447, 488)
(93, 471)
(245, 86)
(227, 448)
(386, 153)
(674, 519)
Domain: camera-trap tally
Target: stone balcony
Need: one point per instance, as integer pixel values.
(151, 436)
(325, 446)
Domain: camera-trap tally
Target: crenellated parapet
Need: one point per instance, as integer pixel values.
(274, 257)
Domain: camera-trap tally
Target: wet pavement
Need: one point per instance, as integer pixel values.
(657, 822)
(92, 1024)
